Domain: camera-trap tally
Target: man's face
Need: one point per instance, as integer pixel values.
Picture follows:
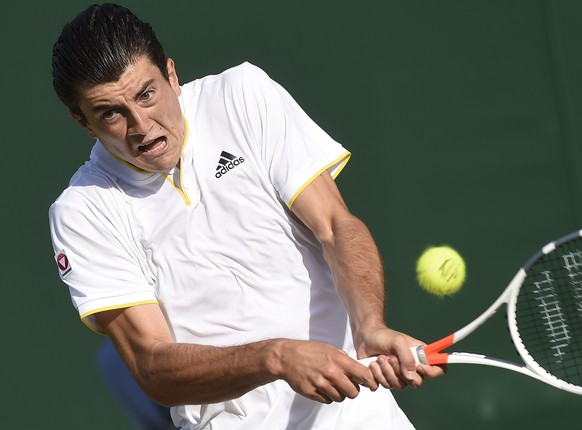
(137, 118)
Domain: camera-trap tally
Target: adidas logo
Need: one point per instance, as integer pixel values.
(227, 162)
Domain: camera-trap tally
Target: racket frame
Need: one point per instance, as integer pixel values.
(433, 353)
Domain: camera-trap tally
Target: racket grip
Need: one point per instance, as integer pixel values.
(417, 353)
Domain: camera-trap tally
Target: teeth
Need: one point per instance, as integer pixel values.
(152, 145)
(143, 145)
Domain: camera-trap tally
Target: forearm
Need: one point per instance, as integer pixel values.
(358, 272)
(359, 279)
(178, 373)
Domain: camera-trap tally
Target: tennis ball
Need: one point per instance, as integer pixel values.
(440, 270)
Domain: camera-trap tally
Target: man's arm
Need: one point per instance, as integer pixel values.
(178, 373)
(358, 274)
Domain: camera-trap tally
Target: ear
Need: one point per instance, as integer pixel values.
(173, 76)
(83, 123)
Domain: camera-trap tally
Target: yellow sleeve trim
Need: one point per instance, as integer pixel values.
(343, 160)
(85, 317)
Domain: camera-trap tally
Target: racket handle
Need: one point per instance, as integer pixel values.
(417, 352)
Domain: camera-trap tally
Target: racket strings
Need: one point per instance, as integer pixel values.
(549, 311)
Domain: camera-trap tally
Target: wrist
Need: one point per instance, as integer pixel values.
(275, 353)
(367, 324)
(363, 331)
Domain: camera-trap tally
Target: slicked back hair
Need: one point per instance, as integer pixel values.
(97, 47)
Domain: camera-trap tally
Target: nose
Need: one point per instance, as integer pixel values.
(138, 122)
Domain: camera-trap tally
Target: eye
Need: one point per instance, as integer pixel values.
(109, 114)
(147, 95)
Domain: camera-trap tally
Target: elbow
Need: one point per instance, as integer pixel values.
(157, 387)
(157, 393)
(164, 401)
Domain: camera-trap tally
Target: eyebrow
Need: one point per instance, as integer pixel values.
(105, 107)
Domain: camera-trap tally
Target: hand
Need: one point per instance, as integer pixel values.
(395, 366)
(322, 372)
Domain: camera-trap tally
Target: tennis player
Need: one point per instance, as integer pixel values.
(207, 238)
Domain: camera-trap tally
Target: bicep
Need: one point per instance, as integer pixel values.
(320, 206)
(136, 331)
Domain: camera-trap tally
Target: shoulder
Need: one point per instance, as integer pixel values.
(89, 190)
(245, 70)
(249, 78)
(241, 88)
(233, 77)
(242, 71)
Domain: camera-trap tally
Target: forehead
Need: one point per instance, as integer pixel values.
(131, 83)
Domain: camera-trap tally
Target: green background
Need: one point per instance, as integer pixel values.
(463, 118)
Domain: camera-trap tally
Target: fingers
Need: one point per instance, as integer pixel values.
(325, 374)
(431, 372)
(330, 376)
(335, 389)
(332, 394)
(406, 360)
(382, 373)
(397, 366)
(387, 371)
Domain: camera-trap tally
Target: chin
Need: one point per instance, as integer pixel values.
(162, 166)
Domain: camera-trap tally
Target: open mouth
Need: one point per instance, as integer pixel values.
(156, 147)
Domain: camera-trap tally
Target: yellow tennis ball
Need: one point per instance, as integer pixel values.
(440, 270)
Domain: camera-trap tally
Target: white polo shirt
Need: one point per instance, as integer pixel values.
(214, 243)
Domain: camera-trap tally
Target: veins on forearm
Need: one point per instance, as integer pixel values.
(357, 268)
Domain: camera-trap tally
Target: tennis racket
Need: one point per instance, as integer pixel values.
(544, 314)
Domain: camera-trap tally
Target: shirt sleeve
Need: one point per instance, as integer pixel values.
(292, 147)
(95, 258)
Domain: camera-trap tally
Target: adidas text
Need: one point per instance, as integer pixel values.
(226, 163)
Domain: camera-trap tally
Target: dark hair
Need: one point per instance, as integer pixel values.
(97, 46)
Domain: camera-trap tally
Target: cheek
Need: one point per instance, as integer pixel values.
(113, 143)
(174, 118)
(113, 147)
(113, 136)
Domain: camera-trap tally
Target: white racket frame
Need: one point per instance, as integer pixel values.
(508, 297)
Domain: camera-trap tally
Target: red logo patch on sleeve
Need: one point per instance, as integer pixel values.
(63, 264)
